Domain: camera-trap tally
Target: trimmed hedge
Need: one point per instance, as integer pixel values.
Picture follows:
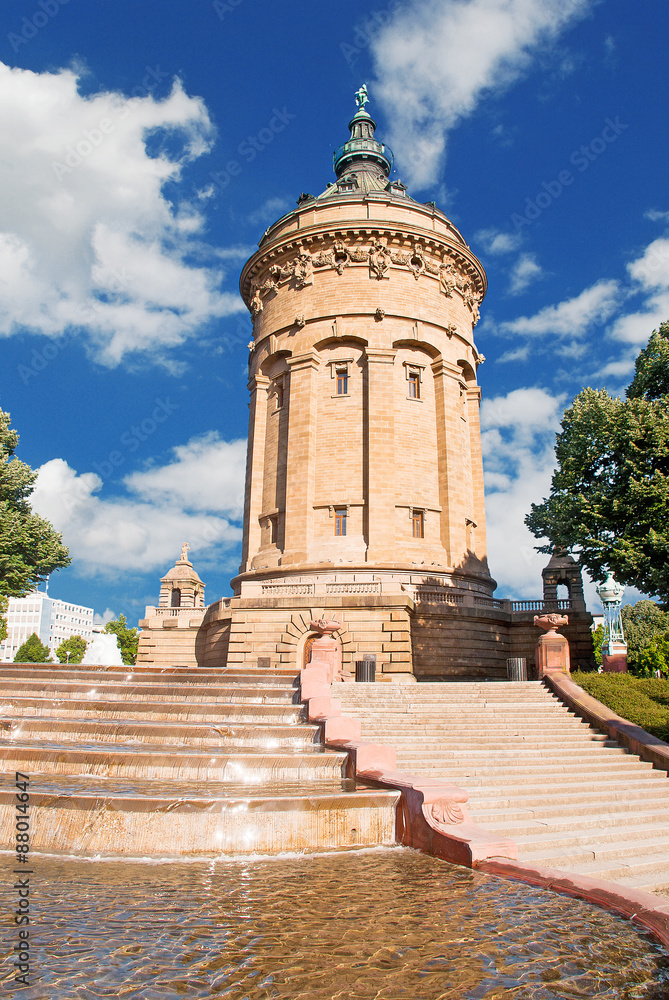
(643, 701)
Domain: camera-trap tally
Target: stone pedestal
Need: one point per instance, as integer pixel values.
(326, 652)
(614, 658)
(552, 650)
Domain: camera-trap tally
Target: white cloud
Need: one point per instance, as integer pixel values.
(143, 529)
(518, 437)
(436, 59)
(524, 272)
(571, 318)
(208, 475)
(496, 242)
(88, 240)
(656, 216)
(650, 278)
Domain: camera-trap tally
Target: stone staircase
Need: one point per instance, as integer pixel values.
(567, 795)
(176, 761)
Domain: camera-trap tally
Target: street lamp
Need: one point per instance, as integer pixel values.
(614, 647)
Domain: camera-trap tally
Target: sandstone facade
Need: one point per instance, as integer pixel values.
(364, 489)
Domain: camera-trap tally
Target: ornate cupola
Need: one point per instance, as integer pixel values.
(362, 152)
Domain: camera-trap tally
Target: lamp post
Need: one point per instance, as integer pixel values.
(614, 647)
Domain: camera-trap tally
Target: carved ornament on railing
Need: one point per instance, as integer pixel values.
(443, 812)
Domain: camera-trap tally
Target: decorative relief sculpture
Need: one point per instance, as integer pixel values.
(379, 260)
(379, 257)
(256, 302)
(324, 626)
(300, 321)
(379, 314)
(303, 269)
(443, 812)
(448, 279)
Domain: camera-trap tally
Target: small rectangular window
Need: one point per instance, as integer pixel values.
(342, 381)
(279, 395)
(273, 529)
(417, 523)
(414, 385)
(340, 520)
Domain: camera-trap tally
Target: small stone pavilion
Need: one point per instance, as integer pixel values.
(364, 487)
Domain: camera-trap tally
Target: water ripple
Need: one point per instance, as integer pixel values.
(385, 925)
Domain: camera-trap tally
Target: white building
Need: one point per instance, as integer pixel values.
(52, 620)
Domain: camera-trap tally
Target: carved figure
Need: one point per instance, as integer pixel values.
(361, 96)
(256, 302)
(379, 314)
(300, 321)
(448, 278)
(303, 269)
(184, 551)
(379, 260)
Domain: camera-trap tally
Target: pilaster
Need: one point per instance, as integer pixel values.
(254, 469)
(379, 443)
(300, 460)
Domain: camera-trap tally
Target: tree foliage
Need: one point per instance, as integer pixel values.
(30, 548)
(609, 495)
(75, 646)
(644, 625)
(33, 651)
(128, 638)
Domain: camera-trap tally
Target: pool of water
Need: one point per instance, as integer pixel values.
(379, 924)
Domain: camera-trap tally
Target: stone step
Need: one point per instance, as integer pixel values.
(484, 800)
(510, 744)
(85, 815)
(156, 761)
(101, 674)
(458, 733)
(262, 735)
(113, 691)
(531, 757)
(578, 809)
(577, 858)
(184, 710)
(607, 816)
(489, 775)
(578, 838)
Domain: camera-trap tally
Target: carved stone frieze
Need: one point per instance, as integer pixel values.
(454, 271)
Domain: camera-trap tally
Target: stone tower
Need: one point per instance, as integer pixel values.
(364, 512)
(364, 464)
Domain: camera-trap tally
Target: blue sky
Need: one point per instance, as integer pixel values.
(147, 147)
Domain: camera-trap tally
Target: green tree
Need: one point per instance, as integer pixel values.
(128, 638)
(654, 659)
(4, 604)
(75, 646)
(651, 369)
(609, 495)
(644, 623)
(33, 651)
(30, 548)
(597, 640)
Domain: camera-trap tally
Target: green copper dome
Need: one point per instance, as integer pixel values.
(362, 151)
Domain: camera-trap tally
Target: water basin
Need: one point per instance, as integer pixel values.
(377, 924)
